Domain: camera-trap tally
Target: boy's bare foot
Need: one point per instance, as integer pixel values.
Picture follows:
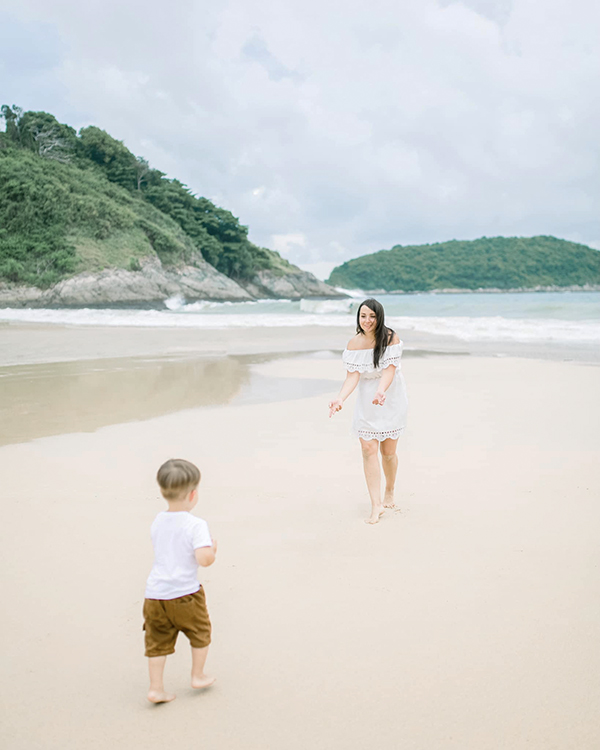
(159, 696)
(203, 682)
(376, 514)
(388, 499)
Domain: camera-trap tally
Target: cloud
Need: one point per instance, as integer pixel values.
(30, 62)
(354, 126)
(256, 49)
(284, 243)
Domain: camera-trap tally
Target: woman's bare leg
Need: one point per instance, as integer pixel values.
(373, 477)
(389, 460)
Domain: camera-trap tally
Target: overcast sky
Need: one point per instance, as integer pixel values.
(335, 128)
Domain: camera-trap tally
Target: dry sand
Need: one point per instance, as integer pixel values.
(469, 620)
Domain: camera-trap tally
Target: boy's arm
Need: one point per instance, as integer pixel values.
(206, 556)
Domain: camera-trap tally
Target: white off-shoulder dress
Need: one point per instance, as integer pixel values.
(371, 421)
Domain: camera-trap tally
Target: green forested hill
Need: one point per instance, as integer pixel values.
(486, 263)
(76, 202)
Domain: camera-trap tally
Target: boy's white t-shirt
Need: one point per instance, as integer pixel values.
(175, 536)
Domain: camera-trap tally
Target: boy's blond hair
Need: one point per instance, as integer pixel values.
(176, 477)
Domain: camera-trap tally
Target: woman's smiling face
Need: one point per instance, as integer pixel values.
(367, 319)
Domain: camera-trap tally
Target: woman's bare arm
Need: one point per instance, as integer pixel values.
(387, 377)
(349, 385)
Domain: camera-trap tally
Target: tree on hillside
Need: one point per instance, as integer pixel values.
(39, 132)
(113, 156)
(141, 171)
(11, 117)
(43, 134)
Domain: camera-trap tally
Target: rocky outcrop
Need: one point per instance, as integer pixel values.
(153, 284)
(294, 284)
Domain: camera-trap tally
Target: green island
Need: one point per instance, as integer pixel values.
(82, 202)
(500, 263)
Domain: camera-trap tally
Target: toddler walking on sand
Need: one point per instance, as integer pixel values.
(174, 599)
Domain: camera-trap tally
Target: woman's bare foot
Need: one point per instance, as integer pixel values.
(203, 682)
(388, 499)
(159, 696)
(376, 514)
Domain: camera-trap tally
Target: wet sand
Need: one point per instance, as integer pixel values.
(469, 620)
(38, 400)
(81, 396)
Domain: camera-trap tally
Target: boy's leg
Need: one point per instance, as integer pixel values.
(160, 637)
(194, 621)
(199, 679)
(156, 668)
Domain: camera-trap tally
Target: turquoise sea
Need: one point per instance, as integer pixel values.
(568, 317)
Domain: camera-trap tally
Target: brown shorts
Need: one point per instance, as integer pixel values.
(164, 618)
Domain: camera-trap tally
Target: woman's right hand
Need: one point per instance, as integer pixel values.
(335, 405)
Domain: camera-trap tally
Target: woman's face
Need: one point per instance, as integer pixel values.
(367, 319)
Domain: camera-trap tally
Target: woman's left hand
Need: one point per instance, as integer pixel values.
(379, 399)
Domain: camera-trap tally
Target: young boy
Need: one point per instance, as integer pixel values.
(174, 598)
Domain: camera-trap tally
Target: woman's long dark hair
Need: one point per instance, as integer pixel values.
(383, 334)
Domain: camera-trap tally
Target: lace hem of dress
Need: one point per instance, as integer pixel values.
(380, 435)
(368, 366)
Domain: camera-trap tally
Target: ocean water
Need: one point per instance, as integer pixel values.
(566, 317)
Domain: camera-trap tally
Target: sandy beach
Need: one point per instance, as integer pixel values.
(468, 620)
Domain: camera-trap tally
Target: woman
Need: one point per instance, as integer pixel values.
(372, 360)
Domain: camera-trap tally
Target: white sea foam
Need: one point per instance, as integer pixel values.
(503, 329)
(355, 293)
(178, 304)
(175, 303)
(204, 315)
(324, 306)
(188, 317)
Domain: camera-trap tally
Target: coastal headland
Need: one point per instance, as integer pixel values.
(85, 222)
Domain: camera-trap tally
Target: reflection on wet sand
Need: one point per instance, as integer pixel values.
(52, 399)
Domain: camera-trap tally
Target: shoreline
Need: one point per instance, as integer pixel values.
(492, 290)
(44, 343)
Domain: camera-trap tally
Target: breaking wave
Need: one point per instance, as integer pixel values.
(337, 313)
